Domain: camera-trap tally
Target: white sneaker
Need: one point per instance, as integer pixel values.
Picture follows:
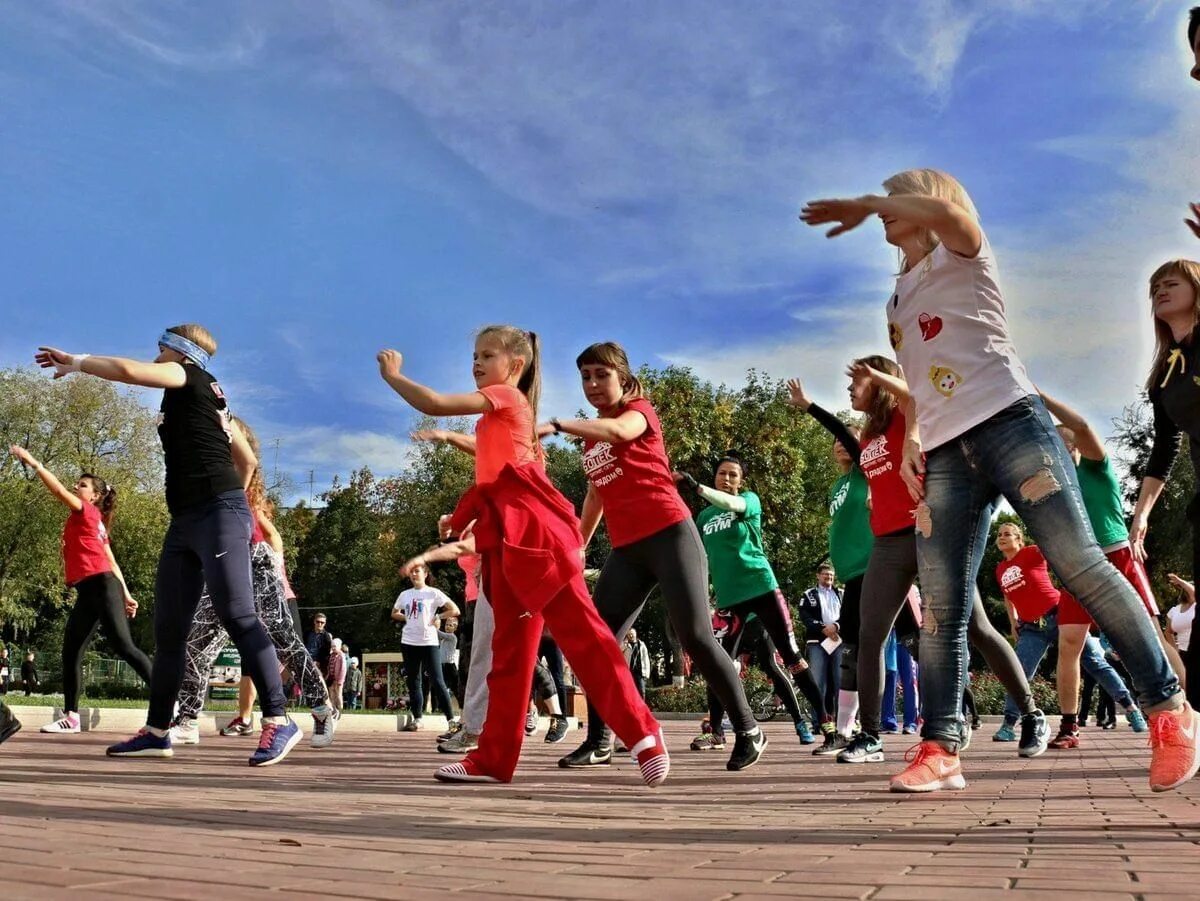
(186, 731)
(67, 725)
(324, 725)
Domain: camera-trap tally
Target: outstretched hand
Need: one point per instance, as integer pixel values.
(390, 362)
(431, 435)
(1194, 222)
(23, 455)
(796, 395)
(63, 362)
(859, 370)
(847, 213)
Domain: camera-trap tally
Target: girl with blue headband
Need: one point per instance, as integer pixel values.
(209, 463)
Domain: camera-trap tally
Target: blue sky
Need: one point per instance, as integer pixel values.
(314, 181)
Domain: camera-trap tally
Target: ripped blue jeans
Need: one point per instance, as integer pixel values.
(1016, 454)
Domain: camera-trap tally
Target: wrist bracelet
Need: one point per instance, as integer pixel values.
(556, 425)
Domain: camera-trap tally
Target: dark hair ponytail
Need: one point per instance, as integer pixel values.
(106, 497)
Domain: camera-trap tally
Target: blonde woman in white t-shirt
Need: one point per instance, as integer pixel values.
(977, 431)
(419, 608)
(1182, 616)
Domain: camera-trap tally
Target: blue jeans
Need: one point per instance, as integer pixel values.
(1035, 639)
(1018, 454)
(827, 673)
(906, 677)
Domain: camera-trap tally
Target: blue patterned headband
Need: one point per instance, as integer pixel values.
(189, 349)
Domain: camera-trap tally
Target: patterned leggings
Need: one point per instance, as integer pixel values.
(207, 636)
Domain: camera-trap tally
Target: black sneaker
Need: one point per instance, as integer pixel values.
(833, 744)
(863, 748)
(9, 724)
(559, 727)
(747, 748)
(1035, 734)
(587, 754)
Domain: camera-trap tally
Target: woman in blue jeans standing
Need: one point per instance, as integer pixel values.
(977, 431)
(208, 464)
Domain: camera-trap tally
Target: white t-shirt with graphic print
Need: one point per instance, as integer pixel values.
(948, 326)
(420, 607)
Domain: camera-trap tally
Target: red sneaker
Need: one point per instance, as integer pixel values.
(1066, 739)
(1174, 755)
(652, 758)
(931, 768)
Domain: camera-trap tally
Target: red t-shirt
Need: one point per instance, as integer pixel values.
(892, 507)
(504, 434)
(83, 542)
(1025, 581)
(469, 564)
(633, 479)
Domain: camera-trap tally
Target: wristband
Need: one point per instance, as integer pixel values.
(76, 363)
(556, 425)
(449, 539)
(695, 486)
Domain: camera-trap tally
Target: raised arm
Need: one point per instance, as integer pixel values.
(798, 398)
(1091, 445)
(616, 429)
(732, 503)
(112, 369)
(456, 440)
(956, 228)
(57, 488)
(423, 398)
(892, 383)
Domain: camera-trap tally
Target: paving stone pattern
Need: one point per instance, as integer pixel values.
(364, 819)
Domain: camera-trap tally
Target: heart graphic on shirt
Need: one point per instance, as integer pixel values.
(931, 326)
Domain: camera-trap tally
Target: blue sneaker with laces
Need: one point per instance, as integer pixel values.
(1137, 722)
(144, 744)
(1005, 733)
(276, 743)
(804, 733)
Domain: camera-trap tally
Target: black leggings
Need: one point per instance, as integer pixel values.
(674, 560)
(970, 711)
(769, 609)
(753, 638)
(427, 658)
(548, 648)
(209, 544)
(100, 605)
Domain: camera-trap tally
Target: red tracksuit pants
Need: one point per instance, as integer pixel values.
(588, 645)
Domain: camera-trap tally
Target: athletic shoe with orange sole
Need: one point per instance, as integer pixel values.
(652, 758)
(1174, 754)
(930, 768)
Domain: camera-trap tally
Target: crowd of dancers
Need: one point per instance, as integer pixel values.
(950, 426)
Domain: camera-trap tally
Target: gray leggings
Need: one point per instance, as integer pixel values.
(890, 574)
(674, 560)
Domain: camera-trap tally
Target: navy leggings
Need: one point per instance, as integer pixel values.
(209, 544)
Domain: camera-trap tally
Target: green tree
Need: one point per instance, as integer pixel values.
(73, 425)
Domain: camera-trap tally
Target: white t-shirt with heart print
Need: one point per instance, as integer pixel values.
(948, 327)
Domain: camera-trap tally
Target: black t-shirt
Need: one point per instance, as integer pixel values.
(1176, 408)
(193, 424)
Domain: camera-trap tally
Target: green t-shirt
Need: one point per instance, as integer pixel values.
(850, 536)
(1102, 500)
(736, 562)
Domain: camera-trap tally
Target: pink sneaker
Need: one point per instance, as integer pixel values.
(1174, 755)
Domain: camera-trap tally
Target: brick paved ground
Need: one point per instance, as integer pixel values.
(364, 819)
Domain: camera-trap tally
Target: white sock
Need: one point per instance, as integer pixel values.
(847, 711)
(157, 733)
(274, 720)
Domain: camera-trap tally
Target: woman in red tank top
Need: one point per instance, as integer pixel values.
(878, 391)
(102, 597)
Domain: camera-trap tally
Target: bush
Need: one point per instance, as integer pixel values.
(122, 691)
(989, 694)
(693, 696)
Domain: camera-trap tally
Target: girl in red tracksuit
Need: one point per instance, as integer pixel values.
(528, 536)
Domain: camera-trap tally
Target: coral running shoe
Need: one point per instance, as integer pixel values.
(652, 758)
(930, 768)
(1174, 755)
